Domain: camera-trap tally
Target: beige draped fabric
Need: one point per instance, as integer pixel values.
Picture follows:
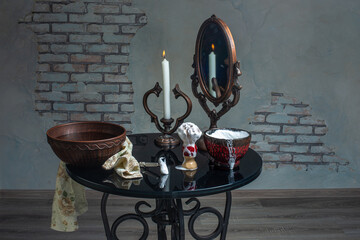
(124, 163)
(69, 200)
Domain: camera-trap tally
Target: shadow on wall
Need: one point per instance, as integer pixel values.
(286, 134)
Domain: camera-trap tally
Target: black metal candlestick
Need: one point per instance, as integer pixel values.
(166, 140)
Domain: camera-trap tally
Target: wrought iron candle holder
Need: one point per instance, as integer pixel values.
(166, 140)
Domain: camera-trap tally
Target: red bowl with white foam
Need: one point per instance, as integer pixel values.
(227, 145)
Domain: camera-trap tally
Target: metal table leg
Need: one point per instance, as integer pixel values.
(223, 221)
(181, 229)
(104, 216)
(159, 218)
(170, 212)
(226, 215)
(111, 233)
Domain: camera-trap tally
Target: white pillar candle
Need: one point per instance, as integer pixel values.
(166, 86)
(212, 70)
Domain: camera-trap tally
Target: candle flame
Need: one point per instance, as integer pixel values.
(212, 47)
(163, 55)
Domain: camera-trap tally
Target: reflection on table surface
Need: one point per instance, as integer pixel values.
(207, 179)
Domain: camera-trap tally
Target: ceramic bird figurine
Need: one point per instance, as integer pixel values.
(189, 133)
(163, 167)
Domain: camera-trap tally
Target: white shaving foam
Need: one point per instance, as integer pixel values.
(228, 134)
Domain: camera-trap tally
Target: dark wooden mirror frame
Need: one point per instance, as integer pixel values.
(234, 72)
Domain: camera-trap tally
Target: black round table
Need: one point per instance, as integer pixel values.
(169, 190)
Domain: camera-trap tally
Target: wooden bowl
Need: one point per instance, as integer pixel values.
(86, 144)
(222, 149)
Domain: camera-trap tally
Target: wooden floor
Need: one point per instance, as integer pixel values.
(260, 214)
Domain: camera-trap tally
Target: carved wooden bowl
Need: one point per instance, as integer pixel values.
(223, 149)
(86, 144)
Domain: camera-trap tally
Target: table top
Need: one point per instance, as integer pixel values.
(207, 179)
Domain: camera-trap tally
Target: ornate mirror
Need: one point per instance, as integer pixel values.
(215, 68)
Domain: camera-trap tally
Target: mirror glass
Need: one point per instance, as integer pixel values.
(216, 69)
(214, 60)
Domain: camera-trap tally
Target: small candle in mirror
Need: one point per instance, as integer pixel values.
(212, 70)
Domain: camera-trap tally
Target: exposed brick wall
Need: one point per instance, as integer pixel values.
(83, 48)
(286, 134)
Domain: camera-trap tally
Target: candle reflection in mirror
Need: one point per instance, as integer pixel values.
(212, 70)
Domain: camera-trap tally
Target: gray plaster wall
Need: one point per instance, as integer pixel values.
(26, 160)
(306, 49)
